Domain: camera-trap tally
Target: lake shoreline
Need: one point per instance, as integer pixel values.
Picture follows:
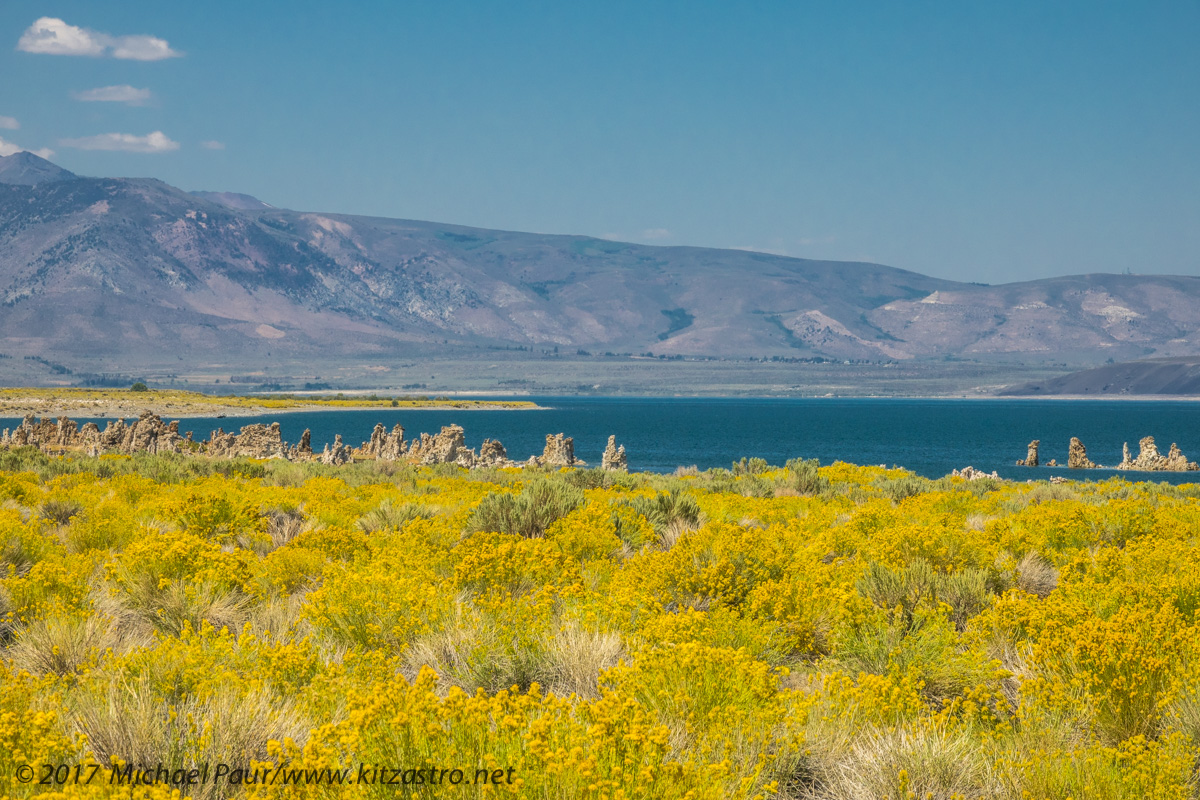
(132, 407)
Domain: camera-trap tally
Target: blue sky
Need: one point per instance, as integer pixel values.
(976, 141)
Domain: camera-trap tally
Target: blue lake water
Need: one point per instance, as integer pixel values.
(930, 437)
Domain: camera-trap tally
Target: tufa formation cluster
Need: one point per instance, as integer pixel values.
(1148, 459)
(149, 434)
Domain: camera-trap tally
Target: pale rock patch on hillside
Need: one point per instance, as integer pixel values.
(935, 328)
(825, 334)
(329, 226)
(269, 332)
(1120, 322)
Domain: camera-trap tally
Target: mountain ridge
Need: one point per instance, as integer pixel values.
(111, 268)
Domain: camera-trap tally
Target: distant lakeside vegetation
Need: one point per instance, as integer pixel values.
(174, 402)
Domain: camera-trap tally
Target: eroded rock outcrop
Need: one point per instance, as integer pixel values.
(42, 433)
(385, 446)
(302, 450)
(254, 441)
(559, 451)
(1177, 461)
(614, 457)
(1031, 456)
(447, 447)
(338, 454)
(972, 474)
(1077, 455)
(1151, 460)
(492, 454)
(149, 434)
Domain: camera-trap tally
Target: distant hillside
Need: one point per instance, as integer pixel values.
(1166, 376)
(137, 272)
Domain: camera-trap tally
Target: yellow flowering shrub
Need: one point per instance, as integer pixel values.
(799, 633)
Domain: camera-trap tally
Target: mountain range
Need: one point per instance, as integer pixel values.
(139, 274)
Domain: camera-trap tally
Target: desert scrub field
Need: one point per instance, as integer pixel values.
(795, 632)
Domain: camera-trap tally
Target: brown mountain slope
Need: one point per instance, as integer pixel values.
(1167, 376)
(136, 272)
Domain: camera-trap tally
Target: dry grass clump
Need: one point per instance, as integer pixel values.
(471, 654)
(130, 721)
(911, 761)
(279, 617)
(575, 657)
(468, 653)
(454, 654)
(977, 522)
(63, 643)
(18, 553)
(672, 532)
(6, 614)
(145, 607)
(388, 516)
(60, 512)
(1036, 575)
(282, 526)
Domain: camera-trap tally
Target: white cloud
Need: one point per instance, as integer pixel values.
(115, 94)
(656, 233)
(156, 142)
(52, 36)
(212, 144)
(8, 148)
(9, 123)
(143, 48)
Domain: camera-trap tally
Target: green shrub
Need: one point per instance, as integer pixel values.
(753, 466)
(908, 486)
(918, 585)
(802, 477)
(666, 508)
(388, 516)
(528, 513)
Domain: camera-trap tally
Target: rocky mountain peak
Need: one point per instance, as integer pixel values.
(26, 169)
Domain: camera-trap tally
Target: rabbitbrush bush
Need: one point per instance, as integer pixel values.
(805, 632)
